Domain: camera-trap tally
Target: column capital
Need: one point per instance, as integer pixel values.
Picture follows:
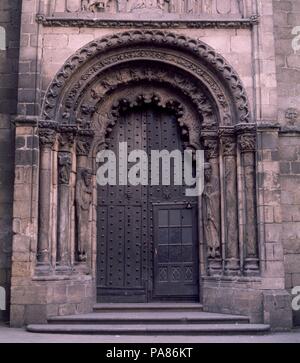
(247, 142)
(66, 137)
(84, 142)
(211, 146)
(47, 138)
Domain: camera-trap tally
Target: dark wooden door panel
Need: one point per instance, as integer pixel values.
(147, 236)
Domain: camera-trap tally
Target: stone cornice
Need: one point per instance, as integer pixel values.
(290, 130)
(23, 120)
(142, 24)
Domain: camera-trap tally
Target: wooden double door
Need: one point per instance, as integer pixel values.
(147, 244)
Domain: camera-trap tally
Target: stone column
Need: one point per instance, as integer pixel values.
(247, 145)
(212, 205)
(231, 226)
(47, 138)
(66, 141)
(84, 194)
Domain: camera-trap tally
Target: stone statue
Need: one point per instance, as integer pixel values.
(97, 6)
(84, 196)
(65, 164)
(85, 5)
(147, 4)
(109, 6)
(189, 7)
(211, 197)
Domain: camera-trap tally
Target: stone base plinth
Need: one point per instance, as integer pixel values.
(245, 296)
(46, 297)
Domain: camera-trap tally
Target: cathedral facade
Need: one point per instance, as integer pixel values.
(81, 76)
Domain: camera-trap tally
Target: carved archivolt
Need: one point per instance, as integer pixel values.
(205, 66)
(189, 125)
(90, 100)
(108, 112)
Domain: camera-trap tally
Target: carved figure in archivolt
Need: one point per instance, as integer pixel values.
(193, 7)
(211, 197)
(147, 4)
(84, 195)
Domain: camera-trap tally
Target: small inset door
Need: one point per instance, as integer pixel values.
(176, 252)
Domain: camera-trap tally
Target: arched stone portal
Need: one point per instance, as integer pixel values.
(81, 108)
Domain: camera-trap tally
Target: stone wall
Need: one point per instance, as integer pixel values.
(9, 52)
(287, 29)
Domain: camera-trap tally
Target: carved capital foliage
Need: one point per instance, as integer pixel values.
(228, 141)
(67, 136)
(47, 131)
(83, 144)
(211, 147)
(47, 138)
(246, 137)
(124, 43)
(247, 142)
(229, 146)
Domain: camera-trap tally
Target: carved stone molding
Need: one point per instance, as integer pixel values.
(142, 24)
(122, 41)
(87, 100)
(190, 127)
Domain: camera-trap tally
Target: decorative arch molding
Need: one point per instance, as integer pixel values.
(189, 125)
(104, 114)
(192, 55)
(173, 72)
(95, 92)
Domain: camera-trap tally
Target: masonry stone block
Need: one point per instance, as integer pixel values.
(277, 309)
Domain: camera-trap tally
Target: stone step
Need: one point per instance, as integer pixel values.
(151, 329)
(148, 307)
(152, 317)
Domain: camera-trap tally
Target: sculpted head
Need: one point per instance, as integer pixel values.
(87, 177)
(291, 115)
(207, 172)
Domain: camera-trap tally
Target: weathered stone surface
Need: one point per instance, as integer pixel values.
(272, 81)
(9, 19)
(277, 310)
